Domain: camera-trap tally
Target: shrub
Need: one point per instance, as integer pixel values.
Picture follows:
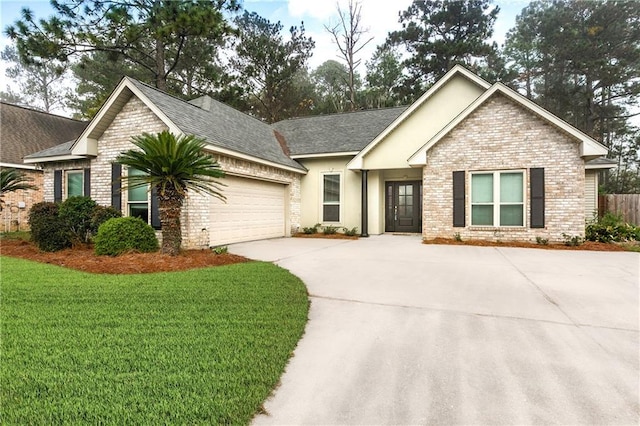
(48, 231)
(542, 241)
(330, 230)
(351, 232)
(572, 240)
(220, 250)
(611, 228)
(311, 230)
(100, 215)
(123, 234)
(77, 213)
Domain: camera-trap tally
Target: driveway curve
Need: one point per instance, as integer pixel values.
(405, 333)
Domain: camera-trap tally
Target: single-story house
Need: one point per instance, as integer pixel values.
(24, 131)
(468, 158)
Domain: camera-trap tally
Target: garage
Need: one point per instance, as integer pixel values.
(254, 210)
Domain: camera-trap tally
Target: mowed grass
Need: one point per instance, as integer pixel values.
(197, 347)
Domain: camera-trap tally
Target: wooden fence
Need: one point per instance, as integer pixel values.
(628, 205)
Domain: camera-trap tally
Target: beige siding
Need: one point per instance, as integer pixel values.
(426, 121)
(311, 190)
(501, 135)
(591, 194)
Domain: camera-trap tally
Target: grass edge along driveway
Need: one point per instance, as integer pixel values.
(204, 346)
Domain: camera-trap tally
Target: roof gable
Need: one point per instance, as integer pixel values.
(589, 147)
(457, 71)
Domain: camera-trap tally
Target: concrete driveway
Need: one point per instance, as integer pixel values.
(406, 333)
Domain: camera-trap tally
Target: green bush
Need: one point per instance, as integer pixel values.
(351, 232)
(100, 215)
(330, 230)
(611, 228)
(48, 231)
(77, 213)
(311, 230)
(123, 234)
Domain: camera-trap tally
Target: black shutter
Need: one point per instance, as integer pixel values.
(458, 200)
(537, 197)
(87, 182)
(155, 209)
(57, 186)
(116, 186)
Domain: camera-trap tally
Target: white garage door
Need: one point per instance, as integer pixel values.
(254, 210)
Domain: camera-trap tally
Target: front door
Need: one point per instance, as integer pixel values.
(403, 202)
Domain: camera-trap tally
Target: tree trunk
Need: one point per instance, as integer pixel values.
(170, 206)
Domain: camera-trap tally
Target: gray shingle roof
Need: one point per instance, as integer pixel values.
(221, 125)
(344, 132)
(602, 161)
(25, 131)
(54, 151)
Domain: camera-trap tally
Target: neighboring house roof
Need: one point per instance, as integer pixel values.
(589, 147)
(335, 133)
(24, 131)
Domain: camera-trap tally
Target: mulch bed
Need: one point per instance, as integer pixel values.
(82, 258)
(587, 245)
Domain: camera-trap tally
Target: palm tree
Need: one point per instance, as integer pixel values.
(172, 165)
(12, 180)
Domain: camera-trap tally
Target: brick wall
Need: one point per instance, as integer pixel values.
(501, 135)
(134, 119)
(13, 216)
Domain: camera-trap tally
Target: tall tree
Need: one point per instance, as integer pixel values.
(171, 167)
(266, 65)
(384, 74)
(332, 81)
(347, 35)
(151, 34)
(581, 60)
(437, 34)
(40, 86)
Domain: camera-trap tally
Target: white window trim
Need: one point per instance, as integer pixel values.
(66, 180)
(496, 201)
(321, 198)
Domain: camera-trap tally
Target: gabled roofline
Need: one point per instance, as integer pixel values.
(236, 154)
(86, 145)
(589, 147)
(324, 155)
(358, 161)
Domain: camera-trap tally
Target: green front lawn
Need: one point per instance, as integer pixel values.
(203, 346)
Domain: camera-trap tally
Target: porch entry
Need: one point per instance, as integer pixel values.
(403, 206)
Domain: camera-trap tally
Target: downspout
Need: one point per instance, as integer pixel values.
(365, 204)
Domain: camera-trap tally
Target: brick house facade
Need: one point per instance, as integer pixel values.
(501, 135)
(467, 159)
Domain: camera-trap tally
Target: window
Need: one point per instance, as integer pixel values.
(497, 199)
(331, 198)
(75, 183)
(138, 198)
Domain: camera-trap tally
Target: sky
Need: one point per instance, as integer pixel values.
(379, 17)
